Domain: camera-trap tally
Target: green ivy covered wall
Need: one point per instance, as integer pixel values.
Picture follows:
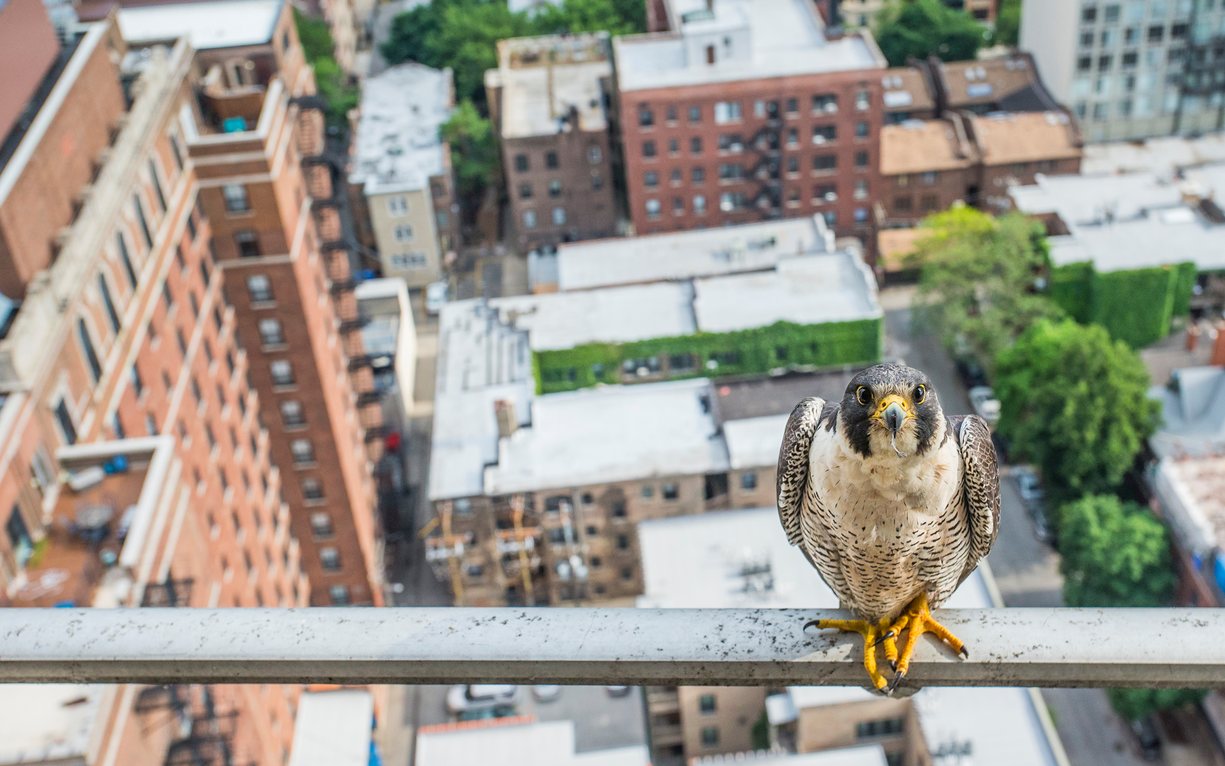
(1135, 306)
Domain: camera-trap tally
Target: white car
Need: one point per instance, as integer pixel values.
(473, 697)
(1029, 486)
(982, 399)
(435, 297)
(546, 692)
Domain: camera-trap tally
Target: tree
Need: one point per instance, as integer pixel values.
(1113, 554)
(1075, 403)
(976, 289)
(473, 152)
(1133, 704)
(333, 84)
(908, 29)
(1008, 23)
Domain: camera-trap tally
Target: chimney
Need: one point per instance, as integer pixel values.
(504, 411)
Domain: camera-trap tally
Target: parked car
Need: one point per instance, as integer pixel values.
(617, 691)
(546, 692)
(1149, 740)
(1029, 486)
(435, 297)
(982, 399)
(971, 372)
(1042, 528)
(467, 700)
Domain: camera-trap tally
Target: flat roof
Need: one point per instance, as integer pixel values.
(542, 78)
(207, 25)
(611, 433)
(397, 146)
(758, 39)
(746, 561)
(518, 741)
(1007, 137)
(810, 290)
(754, 442)
(1193, 414)
(1162, 156)
(46, 722)
(1192, 495)
(333, 728)
(860, 755)
(918, 146)
(689, 254)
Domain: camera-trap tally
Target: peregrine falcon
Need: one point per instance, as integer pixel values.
(892, 502)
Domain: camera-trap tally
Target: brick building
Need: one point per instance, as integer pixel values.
(144, 461)
(748, 111)
(926, 166)
(549, 101)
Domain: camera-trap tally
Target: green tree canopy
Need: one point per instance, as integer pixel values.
(1008, 23)
(908, 29)
(976, 286)
(473, 152)
(1075, 403)
(463, 34)
(1133, 704)
(1114, 554)
(333, 84)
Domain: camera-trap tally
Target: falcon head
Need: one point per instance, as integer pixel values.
(890, 409)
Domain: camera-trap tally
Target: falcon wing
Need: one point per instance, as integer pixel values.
(980, 485)
(792, 478)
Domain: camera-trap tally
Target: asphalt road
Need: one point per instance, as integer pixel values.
(1026, 570)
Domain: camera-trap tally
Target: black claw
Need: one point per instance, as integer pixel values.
(964, 652)
(810, 624)
(893, 665)
(892, 687)
(883, 638)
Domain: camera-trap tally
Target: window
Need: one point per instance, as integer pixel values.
(291, 413)
(861, 215)
(706, 704)
(653, 208)
(1088, 15)
(730, 171)
(270, 332)
(699, 204)
(259, 287)
(144, 222)
(824, 163)
(793, 107)
(529, 219)
(862, 130)
(648, 491)
(671, 491)
(330, 558)
(861, 159)
(554, 188)
(650, 179)
(1156, 33)
(339, 595)
(676, 177)
(247, 242)
(64, 418)
(108, 302)
(727, 111)
(646, 116)
(403, 232)
(594, 154)
(312, 489)
(674, 147)
(698, 175)
(648, 148)
(793, 165)
(695, 145)
(397, 206)
(138, 385)
(678, 206)
(729, 201)
(710, 736)
(157, 184)
(862, 100)
(176, 150)
(883, 728)
(125, 257)
(550, 160)
(903, 204)
(861, 189)
(597, 181)
(1084, 63)
(525, 191)
(731, 142)
(410, 260)
(695, 115)
(748, 480)
(559, 216)
(929, 203)
(303, 451)
(521, 163)
(19, 537)
(928, 178)
(87, 348)
(282, 372)
(321, 524)
(236, 200)
(823, 134)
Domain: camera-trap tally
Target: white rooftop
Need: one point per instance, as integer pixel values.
(753, 39)
(754, 442)
(46, 722)
(611, 433)
(1162, 156)
(745, 561)
(1130, 221)
(861, 755)
(333, 728)
(218, 24)
(1193, 416)
(542, 78)
(516, 742)
(397, 146)
(689, 254)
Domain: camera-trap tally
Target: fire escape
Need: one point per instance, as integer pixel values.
(209, 739)
(519, 540)
(767, 173)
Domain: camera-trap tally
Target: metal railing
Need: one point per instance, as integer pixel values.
(751, 647)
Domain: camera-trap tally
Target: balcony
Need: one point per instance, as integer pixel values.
(683, 647)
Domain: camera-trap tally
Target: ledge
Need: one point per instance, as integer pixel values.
(750, 647)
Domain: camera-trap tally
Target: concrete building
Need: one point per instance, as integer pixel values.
(549, 100)
(334, 728)
(538, 494)
(401, 179)
(746, 111)
(746, 562)
(1131, 69)
(519, 741)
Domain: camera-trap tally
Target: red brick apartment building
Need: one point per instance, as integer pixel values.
(149, 457)
(746, 111)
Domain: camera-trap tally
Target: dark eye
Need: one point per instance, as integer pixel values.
(920, 393)
(862, 395)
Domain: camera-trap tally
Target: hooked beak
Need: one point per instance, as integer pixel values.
(893, 411)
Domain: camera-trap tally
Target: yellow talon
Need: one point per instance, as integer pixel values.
(917, 619)
(872, 635)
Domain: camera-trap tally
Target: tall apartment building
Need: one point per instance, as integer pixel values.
(1132, 68)
(135, 470)
(747, 111)
(256, 143)
(549, 100)
(401, 181)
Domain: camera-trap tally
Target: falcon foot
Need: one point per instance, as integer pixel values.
(872, 635)
(916, 620)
